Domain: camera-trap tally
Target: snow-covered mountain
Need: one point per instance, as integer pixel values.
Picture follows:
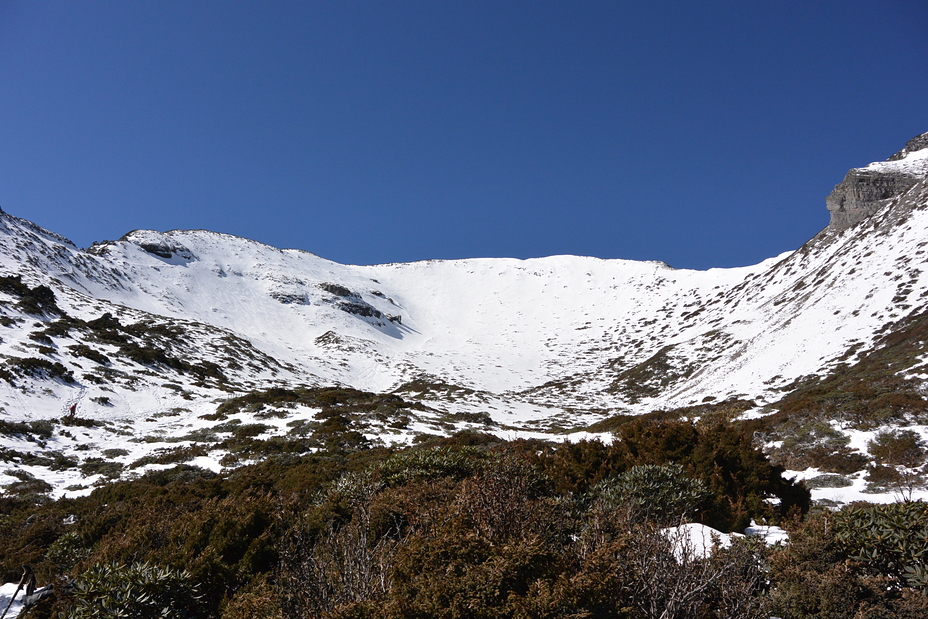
(150, 333)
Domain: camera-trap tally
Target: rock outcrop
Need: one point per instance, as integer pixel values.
(864, 191)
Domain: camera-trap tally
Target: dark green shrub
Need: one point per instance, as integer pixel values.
(815, 443)
(829, 480)
(6, 375)
(424, 464)
(467, 525)
(180, 474)
(652, 441)
(39, 300)
(257, 400)
(99, 466)
(663, 493)
(207, 369)
(41, 338)
(54, 460)
(336, 432)
(898, 454)
(62, 327)
(29, 486)
(40, 368)
(151, 356)
(887, 540)
(742, 480)
(248, 430)
(170, 456)
(107, 329)
(42, 429)
(842, 460)
(80, 422)
(739, 476)
(898, 447)
(82, 350)
(476, 418)
(139, 591)
(573, 467)
(66, 551)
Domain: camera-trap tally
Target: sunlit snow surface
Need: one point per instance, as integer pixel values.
(913, 164)
(7, 590)
(693, 541)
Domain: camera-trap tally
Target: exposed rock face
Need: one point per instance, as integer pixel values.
(863, 193)
(866, 190)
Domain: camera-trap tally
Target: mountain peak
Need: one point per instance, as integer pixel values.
(919, 142)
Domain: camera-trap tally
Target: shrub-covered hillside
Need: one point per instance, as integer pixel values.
(468, 526)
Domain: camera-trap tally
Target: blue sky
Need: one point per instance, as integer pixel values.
(698, 133)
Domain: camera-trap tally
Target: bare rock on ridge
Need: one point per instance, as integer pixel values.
(866, 190)
(915, 144)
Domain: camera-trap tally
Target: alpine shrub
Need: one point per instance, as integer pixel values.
(657, 493)
(887, 540)
(139, 591)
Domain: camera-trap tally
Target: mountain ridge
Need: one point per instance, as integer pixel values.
(543, 345)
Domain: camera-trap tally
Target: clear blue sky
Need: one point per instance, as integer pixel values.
(698, 133)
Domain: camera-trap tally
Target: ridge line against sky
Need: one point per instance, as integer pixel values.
(698, 135)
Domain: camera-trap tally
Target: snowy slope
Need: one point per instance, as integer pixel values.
(547, 343)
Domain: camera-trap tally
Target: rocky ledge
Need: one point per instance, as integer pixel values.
(866, 190)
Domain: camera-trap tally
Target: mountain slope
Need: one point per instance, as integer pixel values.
(152, 332)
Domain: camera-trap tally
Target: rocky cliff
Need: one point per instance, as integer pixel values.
(864, 191)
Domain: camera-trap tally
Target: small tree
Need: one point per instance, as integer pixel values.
(898, 455)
